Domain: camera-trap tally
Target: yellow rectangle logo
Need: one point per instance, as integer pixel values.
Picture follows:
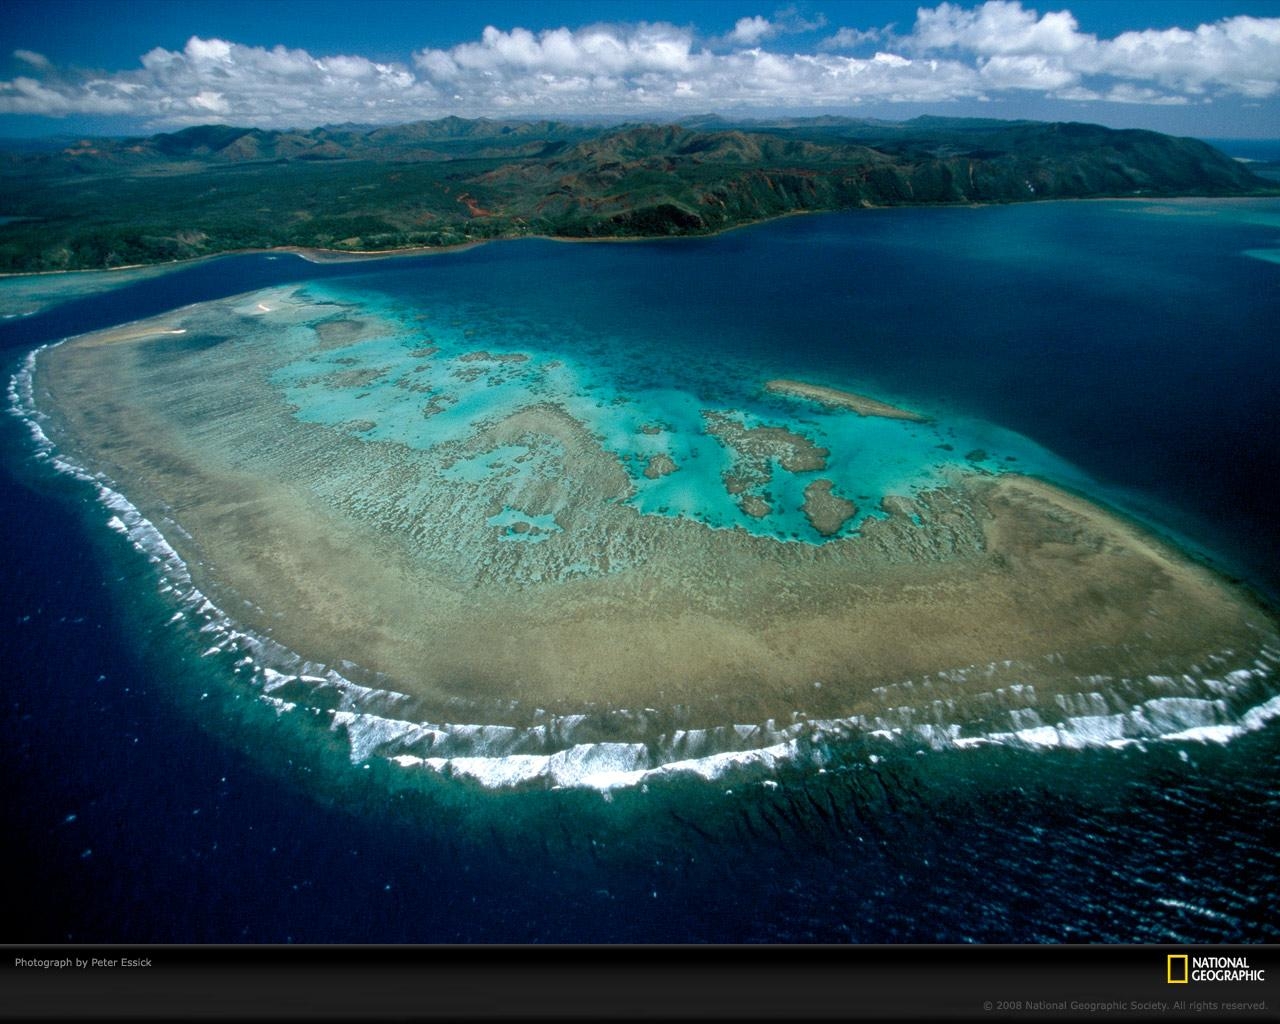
(1179, 973)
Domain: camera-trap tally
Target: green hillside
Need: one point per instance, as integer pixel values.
(214, 188)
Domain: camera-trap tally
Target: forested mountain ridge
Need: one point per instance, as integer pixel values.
(215, 188)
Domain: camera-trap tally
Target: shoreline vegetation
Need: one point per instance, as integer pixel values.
(352, 193)
(319, 255)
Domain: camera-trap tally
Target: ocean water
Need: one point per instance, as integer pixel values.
(1124, 349)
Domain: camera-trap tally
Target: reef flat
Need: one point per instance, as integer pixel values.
(491, 528)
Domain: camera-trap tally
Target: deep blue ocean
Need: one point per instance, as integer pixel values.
(148, 801)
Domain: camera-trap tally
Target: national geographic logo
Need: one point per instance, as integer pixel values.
(1182, 969)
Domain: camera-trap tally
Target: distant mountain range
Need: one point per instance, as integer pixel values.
(214, 188)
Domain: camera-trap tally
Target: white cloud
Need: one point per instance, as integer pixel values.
(659, 68)
(598, 49)
(1240, 55)
(790, 20)
(217, 80)
(890, 60)
(756, 29)
(1078, 94)
(1126, 93)
(214, 102)
(36, 60)
(1027, 71)
(849, 38)
(27, 96)
(951, 52)
(749, 31)
(997, 27)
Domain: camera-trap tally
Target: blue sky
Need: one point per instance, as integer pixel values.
(1197, 67)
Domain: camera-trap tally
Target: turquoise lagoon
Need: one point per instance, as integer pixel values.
(638, 395)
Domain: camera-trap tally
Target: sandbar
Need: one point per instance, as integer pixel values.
(133, 332)
(823, 395)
